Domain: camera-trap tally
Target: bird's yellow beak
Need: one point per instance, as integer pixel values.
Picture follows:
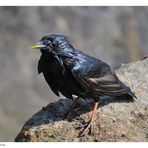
(38, 45)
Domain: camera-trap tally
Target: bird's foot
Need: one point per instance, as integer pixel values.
(89, 126)
(86, 128)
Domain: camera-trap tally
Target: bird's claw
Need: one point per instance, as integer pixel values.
(86, 128)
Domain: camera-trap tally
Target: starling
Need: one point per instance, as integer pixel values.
(72, 72)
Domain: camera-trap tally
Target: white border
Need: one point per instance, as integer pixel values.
(74, 2)
(74, 144)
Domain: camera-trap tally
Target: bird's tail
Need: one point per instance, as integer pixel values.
(128, 97)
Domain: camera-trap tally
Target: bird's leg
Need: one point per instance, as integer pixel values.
(89, 125)
(71, 108)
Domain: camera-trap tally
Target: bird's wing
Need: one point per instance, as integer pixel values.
(48, 77)
(108, 85)
(96, 76)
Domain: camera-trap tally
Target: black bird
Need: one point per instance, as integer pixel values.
(73, 72)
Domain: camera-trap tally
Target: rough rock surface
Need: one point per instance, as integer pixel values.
(117, 120)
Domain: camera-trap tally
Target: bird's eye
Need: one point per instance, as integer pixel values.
(55, 43)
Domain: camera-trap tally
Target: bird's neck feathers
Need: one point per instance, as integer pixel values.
(64, 45)
(66, 51)
(63, 51)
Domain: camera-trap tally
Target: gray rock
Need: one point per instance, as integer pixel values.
(116, 120)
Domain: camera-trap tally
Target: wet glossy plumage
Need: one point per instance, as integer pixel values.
(71, 71)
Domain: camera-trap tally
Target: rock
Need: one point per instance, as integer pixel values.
(117, 120)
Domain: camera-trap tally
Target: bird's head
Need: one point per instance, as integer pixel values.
(54, 44)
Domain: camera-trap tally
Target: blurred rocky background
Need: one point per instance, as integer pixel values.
(113, 34)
